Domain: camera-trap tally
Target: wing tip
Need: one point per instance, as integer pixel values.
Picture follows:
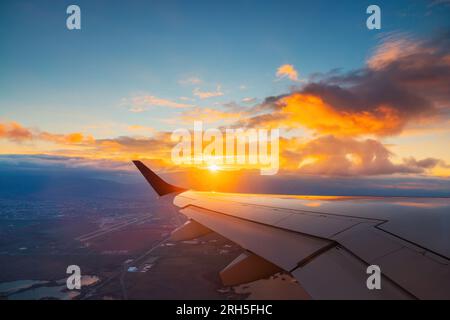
(159, 185)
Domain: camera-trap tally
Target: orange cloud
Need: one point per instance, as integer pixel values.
(287, 70)
(141, 129)
(312, 112)
(15, 132)
(71, 138)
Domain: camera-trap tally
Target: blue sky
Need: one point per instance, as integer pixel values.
(65, 80)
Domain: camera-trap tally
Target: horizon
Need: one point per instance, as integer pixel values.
(375, 107)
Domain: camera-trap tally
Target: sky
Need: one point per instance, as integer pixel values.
(349, 101)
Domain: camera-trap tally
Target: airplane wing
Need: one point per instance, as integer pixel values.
(326, 242)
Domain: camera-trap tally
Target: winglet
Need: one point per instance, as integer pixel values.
(159, 185)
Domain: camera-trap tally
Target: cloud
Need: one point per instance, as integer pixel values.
(209, 115)
(15, 132)
(249, 100)
(142, 103)
(141, 129)
(190, 81)
(405, 80)
(287, 71)
(71, 138)
(428, 163)
(186, 99)
(77, 144)
(312, 112)
(124, 148)
(395, 47)
(138, 109)
(158, 145)
(327, 155)
(207, 94)
(334, 156)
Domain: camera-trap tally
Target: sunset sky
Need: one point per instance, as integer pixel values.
(349, 101)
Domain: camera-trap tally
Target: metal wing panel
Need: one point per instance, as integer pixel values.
(336, 274)
(312, 223)
(424, 222)
(367, 242)
(320, 225)
(283, 248)
(415, 269)
(244, 211)
(418, 272)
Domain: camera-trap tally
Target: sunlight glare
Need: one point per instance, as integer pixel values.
(213, 168)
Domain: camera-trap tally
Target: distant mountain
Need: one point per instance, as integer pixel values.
(50, 185)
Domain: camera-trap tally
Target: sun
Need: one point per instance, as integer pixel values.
(213, 168)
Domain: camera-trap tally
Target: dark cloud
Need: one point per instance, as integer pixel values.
(405, 79)
(427, 163)
(334, 156)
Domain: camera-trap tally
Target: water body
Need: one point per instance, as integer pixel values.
(38, 289)
(14, 286)
(57, 292)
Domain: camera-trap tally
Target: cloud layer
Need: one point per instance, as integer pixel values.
(405, 82)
